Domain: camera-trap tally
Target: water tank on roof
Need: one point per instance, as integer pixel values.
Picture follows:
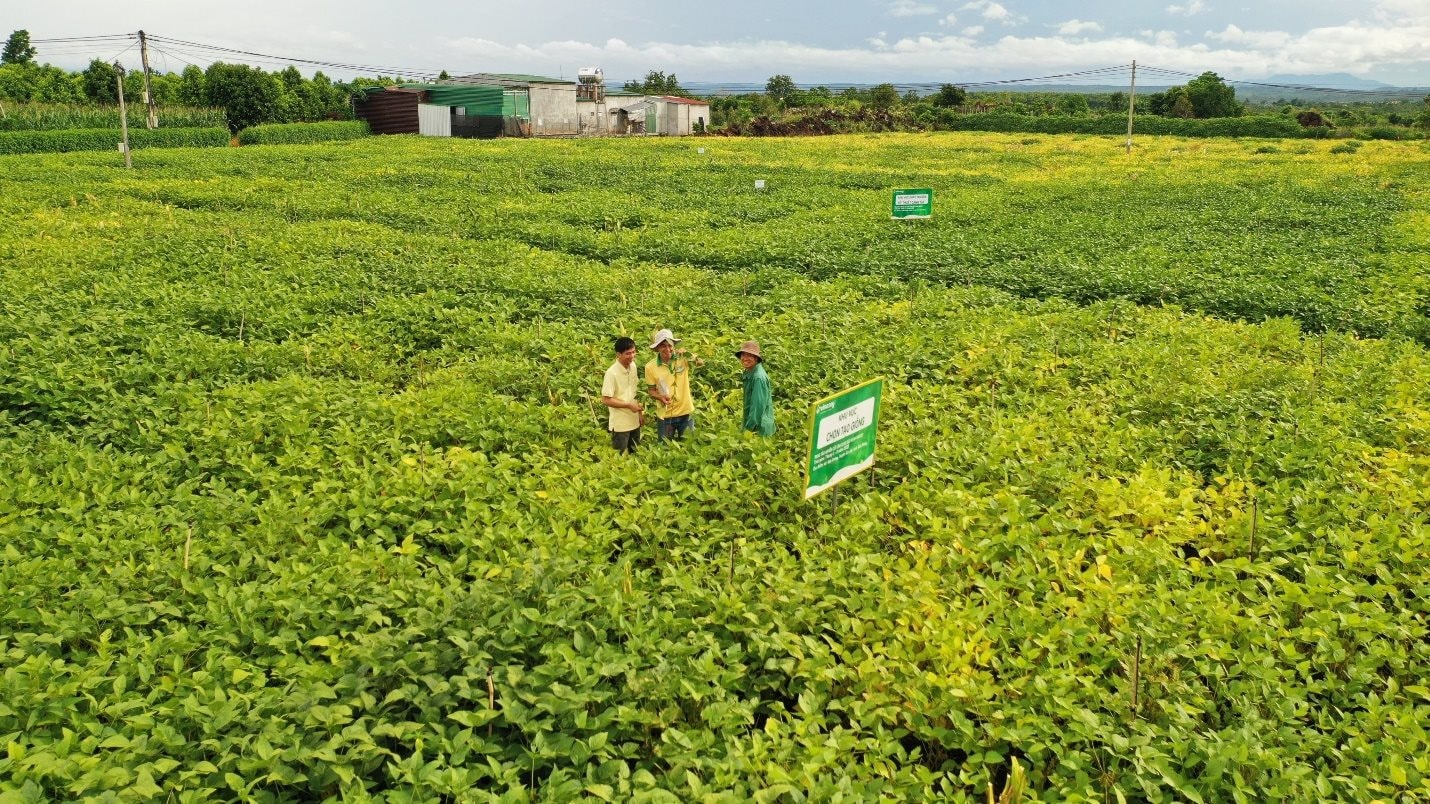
(590, 75)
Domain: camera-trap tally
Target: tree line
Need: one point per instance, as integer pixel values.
(248, 95)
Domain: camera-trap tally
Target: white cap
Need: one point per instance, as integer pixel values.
(663, 335)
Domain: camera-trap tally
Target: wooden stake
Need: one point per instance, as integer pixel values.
(1136, 673)
(1253, 527)
(491, 698)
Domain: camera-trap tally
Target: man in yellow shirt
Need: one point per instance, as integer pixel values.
(668, 379)
(618, 392)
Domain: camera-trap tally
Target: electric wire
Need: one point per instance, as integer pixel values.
(1388, 92)
(84, 38)
(1100, 76)
(396, 71)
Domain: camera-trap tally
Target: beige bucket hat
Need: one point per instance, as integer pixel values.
(750, 348)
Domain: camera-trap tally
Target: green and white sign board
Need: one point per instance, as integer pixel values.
(916, 203)
(841, 436)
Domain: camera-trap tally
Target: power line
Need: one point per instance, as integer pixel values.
(411, 72)
(83, 38)
(116, 56)
(1390, 92)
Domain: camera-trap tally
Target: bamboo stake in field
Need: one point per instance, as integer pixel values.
(491, 698)
(1252, 547)
(1136, 674)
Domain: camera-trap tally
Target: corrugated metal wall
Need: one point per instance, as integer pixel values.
(434, 121)
(516, 103)
(390, 112)
(477, 100)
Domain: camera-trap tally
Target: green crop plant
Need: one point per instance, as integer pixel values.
(60, 116)
(300, 133)
(306, 497)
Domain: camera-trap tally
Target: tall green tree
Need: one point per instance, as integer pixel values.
(18, 49)
(1212, 97)
(656, 83)
(1072, 103)
(248, 95)
(191, 87)
(99, 82)
(883, 97)
(780, 87)
(950, 95)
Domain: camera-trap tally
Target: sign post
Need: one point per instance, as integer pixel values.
(915, 203)
(842, 428)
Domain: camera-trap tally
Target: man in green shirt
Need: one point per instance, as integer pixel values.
(759, 410)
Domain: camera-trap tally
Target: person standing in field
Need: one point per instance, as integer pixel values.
(759, 410)
(667, 379)
(618, 393)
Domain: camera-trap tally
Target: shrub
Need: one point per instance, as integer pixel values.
(1386, 133)
(298, 133)
(105, 139)
(1270, 127)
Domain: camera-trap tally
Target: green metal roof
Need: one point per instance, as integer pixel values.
(529, 79)
(478, 100)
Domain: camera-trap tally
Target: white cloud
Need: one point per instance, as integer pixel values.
(910, 8)
(1075, 27)
(1359, 47)
(1191, 9)
(949, 21)
(1233, 35)
(994, 12)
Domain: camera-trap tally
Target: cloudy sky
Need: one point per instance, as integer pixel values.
(829, 41)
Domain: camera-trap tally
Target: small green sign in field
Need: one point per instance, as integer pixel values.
(841, 436)
(917, 203)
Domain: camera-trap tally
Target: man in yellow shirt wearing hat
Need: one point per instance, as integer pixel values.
(668, 378)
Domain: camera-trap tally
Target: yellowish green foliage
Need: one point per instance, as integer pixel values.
(307, 495)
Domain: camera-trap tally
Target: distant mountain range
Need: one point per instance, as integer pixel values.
(1328, 80)
(1276, 86)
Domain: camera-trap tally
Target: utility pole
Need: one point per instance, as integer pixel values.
(1131, 104)
(123, 116)
(151, 114)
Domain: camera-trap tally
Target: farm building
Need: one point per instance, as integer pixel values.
(553, 105)
(681, 117)
(434, 110)
(634, 113)
(497, 104)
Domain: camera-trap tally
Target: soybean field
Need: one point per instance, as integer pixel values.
(307, 493)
